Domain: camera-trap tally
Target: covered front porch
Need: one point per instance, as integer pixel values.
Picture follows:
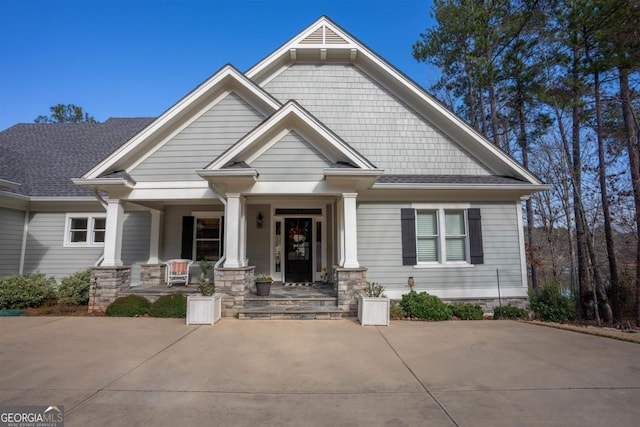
(295, 240)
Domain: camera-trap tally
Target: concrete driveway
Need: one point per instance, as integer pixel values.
(125, 372)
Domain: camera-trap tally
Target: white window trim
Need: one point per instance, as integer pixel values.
(90, 216)
(205, 214)
(440, 208)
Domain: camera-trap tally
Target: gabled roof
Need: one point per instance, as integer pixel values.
(291, 116)
(43, 158)
(324, 40)
(227, 79)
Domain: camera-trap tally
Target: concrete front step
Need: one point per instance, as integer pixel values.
(290, 313)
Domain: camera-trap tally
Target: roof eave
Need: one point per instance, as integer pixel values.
(531, 188)
(94, 183)
(5, 184)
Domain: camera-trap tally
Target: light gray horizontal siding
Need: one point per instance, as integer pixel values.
(46, 252)
(45, 248)
(12, 226)
(259, 239)
(291, 159)
(380, 250)
(372, 120)
(200, 143)
(135, 242)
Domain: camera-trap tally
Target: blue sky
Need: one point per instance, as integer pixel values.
(136, 58)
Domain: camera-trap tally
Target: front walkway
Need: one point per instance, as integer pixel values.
(146, 371)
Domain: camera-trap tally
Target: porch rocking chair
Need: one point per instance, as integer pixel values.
(178, 271)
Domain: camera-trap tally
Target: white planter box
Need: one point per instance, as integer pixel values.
(203, 310)
(373, 311)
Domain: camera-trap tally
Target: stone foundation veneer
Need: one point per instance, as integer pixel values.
(348, 283)
(234, 284)
(106, 285)
(152, 275)
(489, 304)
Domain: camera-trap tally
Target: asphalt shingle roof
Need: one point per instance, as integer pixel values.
(44, 157)
(448, 179)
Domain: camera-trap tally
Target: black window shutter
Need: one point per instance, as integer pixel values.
(475, 236)
(408, 220)
(187, 237)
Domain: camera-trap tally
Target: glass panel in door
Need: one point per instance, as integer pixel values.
(298, 258)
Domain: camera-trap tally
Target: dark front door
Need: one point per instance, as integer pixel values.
(298, 259)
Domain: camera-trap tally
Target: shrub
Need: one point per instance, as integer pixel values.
(129, 306)
(550, 305)
(510, 312)
(374, 290)
(424, 306)
(74, 289)
(395, 311)
(467, 311)
(28, 290)
(174, 305)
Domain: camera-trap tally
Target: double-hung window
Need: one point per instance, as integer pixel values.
(85, 229)
(441, 235)
(207, 238)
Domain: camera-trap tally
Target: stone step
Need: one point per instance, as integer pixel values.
(289, 313)
(255, 301)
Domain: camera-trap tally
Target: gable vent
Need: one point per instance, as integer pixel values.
(323, 35)
(333, 38)
(315, 37)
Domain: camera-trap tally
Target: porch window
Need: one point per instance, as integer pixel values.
(85, 230)
(207, 239)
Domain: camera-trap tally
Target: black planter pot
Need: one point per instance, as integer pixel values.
(263, 289)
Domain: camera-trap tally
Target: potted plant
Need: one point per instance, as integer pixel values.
(373, 306)
(205, 308)
(263, 285)
(324, 276)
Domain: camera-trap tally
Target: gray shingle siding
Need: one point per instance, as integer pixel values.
(200, 143)
(373, 120)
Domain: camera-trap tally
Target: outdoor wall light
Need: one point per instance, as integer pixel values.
(259, 220)
(410, 283)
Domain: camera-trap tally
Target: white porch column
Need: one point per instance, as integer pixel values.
(113, 234)
(340, 227)
(233, 218)
(350, 230)
(154, 238)
(242, 243)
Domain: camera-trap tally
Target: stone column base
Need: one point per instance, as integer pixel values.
(234, 284)
(152, 275)
(106, 285)
(348, 283)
